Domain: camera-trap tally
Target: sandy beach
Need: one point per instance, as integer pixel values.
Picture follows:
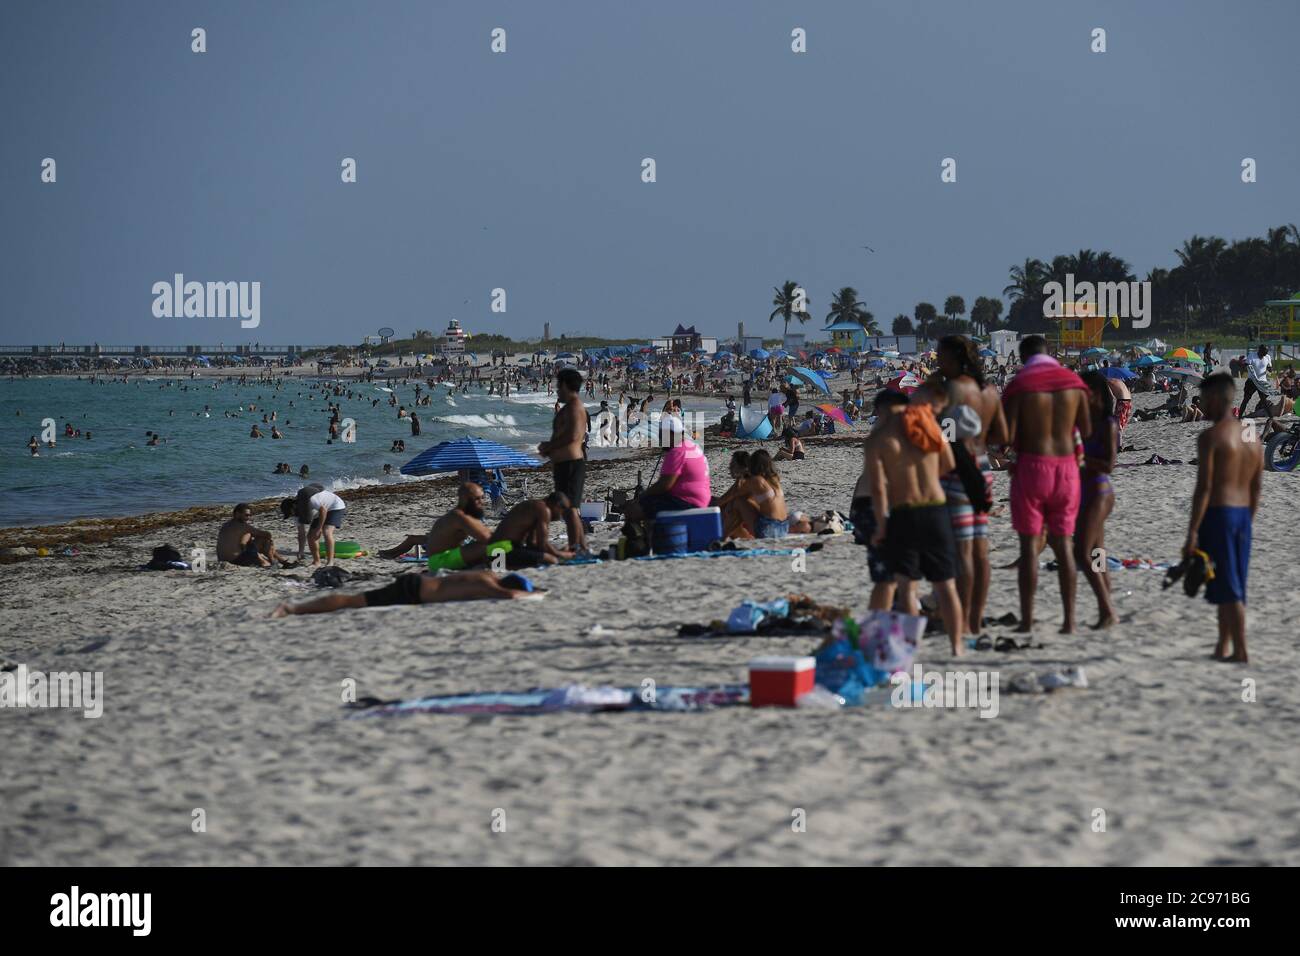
(209, 704)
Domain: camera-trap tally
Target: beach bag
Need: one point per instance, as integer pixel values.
(864, 652)
(635, 543)
(972, 479)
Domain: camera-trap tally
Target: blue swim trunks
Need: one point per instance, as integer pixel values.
(1225, 536)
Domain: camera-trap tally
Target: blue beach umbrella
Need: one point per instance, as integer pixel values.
(467, 454)
(759, 354)
(705, 360)
(639, 367)
(723, 354)
(566, 355)
(876, 363)
(780, 353)
(1147, 361)
(988, 353)
(809, 377)
(1119, 372)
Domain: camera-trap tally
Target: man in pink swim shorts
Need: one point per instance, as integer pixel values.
(1044, 405)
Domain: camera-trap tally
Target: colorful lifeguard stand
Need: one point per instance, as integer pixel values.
(1284, 334)
(1078, 326)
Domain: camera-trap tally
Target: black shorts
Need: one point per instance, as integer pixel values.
(405, 589)
(249, 557)
(863, 517)
(570, 478)
(651, 505)
(919, 543)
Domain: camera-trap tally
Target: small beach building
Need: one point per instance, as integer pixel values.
(684, 339)
(847, 335)
(1078, 326)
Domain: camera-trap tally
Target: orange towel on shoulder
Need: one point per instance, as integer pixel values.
(921, 429)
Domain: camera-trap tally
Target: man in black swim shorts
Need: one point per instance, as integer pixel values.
(418, 588)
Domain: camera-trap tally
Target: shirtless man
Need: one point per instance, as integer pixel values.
(1044, 403)
(965, 386)
(864, 518)
(568, 453)
(1230, 466)
(420, 588)
(239, 543)
(522, 527)
(913, 527)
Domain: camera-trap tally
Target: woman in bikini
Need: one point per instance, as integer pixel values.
(764, 511)
(1097, 498)
(733, 521)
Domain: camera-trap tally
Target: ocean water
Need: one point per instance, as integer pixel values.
(210, 458)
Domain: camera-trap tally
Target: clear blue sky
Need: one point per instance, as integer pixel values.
(522, 170)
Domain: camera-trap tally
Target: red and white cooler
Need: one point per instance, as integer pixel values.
(780, 681)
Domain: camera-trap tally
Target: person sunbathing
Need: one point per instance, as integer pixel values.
(417, 588)
(1193, 412)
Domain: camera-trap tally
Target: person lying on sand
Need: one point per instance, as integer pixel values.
(460, 539)
(239, 543)
(418, 588)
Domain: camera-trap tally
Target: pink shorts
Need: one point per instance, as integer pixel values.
(1045, 488)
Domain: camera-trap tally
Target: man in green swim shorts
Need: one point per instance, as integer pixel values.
(460, 539)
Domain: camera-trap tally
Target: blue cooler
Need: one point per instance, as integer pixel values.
(670, 537)
(703, 525)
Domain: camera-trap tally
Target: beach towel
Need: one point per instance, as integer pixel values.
(1047, 376)
(921, 428)
(572, 698)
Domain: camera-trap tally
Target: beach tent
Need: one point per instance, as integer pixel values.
(466, 454)
(754, 424)
(809, 377)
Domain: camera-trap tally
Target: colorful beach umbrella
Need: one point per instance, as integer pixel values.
(466, 454)
(835, 412)
(1186, 355)
(907, 383)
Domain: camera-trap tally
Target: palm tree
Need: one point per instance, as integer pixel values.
(954, 306)
(902, 325)
(925, 313)
(845, 307)
(787, 299)
(1027, 280)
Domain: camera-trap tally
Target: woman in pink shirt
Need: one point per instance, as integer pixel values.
(683, 481)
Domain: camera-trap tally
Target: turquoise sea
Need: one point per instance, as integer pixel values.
(209, 458)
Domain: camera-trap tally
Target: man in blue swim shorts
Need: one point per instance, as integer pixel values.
(1230, 464)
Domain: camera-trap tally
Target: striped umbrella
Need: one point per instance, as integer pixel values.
(467, 454)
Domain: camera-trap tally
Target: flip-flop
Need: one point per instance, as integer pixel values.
(984, 643)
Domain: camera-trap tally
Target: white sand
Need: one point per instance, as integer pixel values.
(211, 705)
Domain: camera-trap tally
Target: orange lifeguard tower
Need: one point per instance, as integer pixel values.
(1078, 326)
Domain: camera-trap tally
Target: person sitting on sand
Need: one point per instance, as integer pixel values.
(1229, 472)
(763, 511)
(791, 448)
(239, 543)
(459, 539)
(1193, 411)
(913, 530)
(418, 588)
(733, 525)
